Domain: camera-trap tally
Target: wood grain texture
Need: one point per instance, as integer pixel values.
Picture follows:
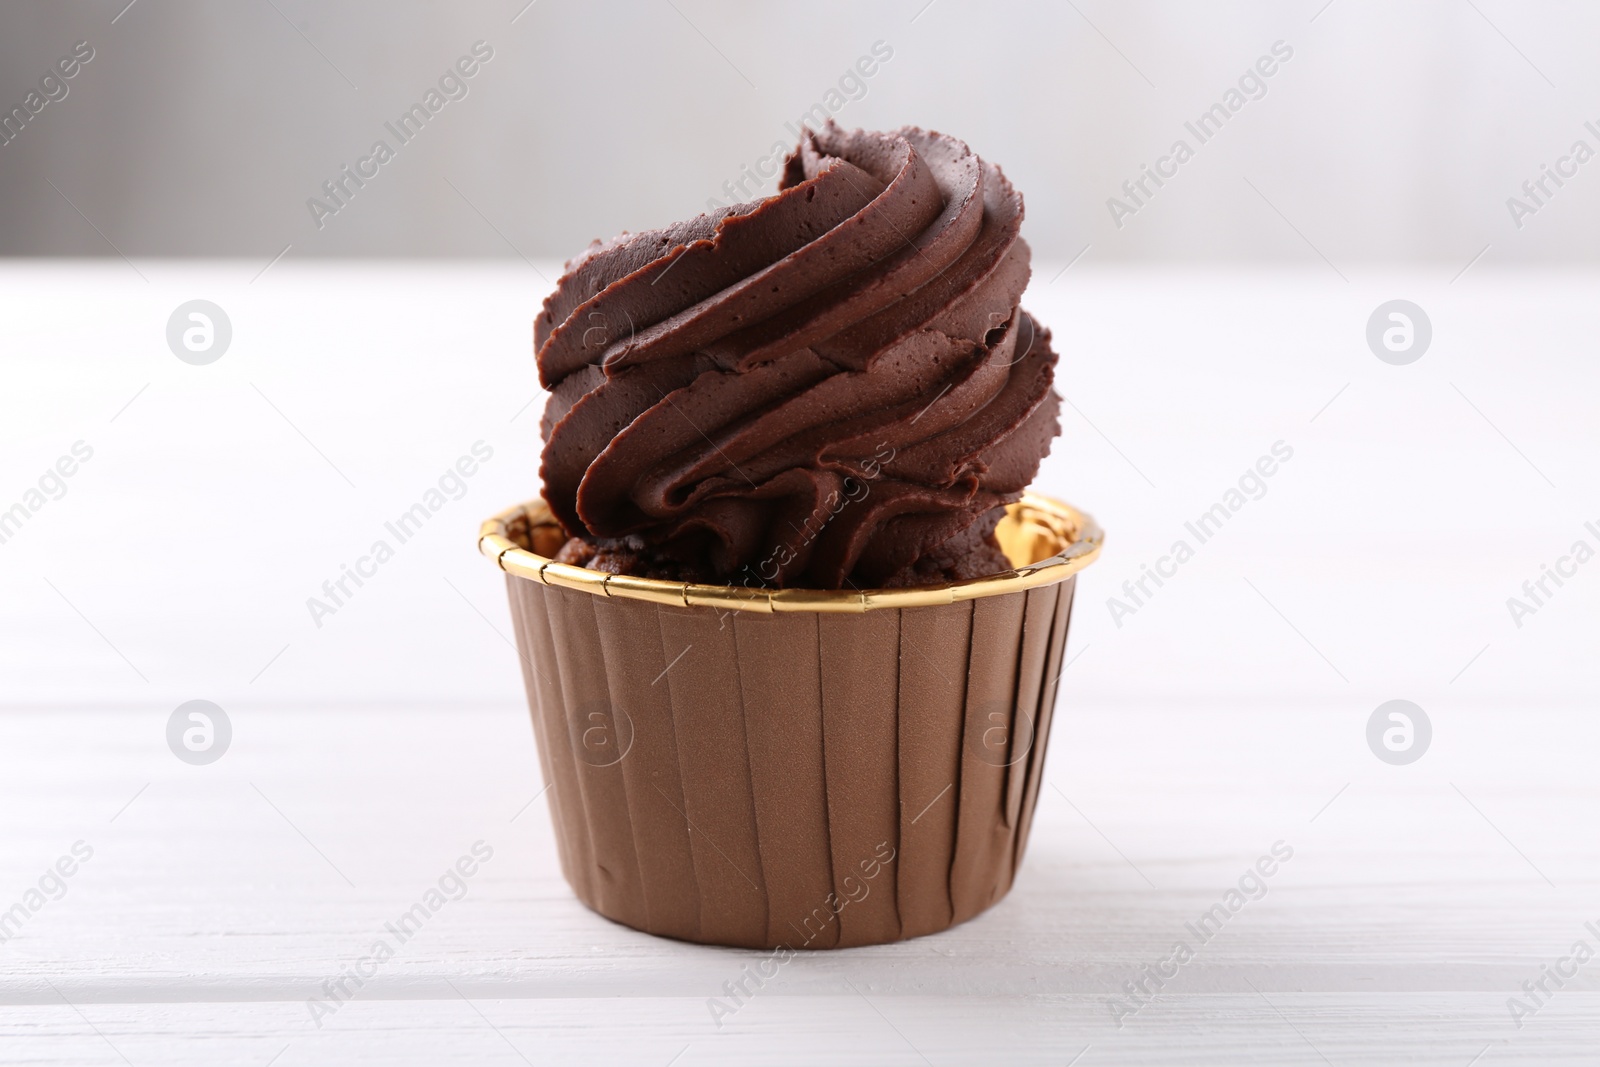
(205, 922)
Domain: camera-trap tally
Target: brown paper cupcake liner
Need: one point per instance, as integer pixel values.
(792, 767)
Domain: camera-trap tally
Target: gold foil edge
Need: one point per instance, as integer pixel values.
(1077, 542)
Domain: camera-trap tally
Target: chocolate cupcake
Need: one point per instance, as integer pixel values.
(790, 628)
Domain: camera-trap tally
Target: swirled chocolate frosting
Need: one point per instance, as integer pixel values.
(832, 386)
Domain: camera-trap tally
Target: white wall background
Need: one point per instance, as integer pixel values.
(1396, 132)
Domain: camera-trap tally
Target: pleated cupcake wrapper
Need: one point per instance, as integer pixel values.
(807, 779)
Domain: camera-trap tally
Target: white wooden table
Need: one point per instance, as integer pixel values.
(1226, 715)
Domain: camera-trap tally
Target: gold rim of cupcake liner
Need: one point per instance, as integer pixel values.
(1060, 539)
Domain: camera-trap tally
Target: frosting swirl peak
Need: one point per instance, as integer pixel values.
(833, 385)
